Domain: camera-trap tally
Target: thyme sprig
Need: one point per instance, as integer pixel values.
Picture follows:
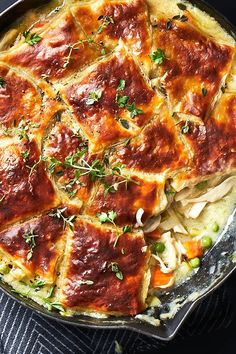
(59, 214)
(110, 217)
(31, 38)
(34, 166)
(2, 82)
(76, 46)
(29, 238)
(22, 130)
(106, 20)
(115, 269)
(53, 305)
(95, 170)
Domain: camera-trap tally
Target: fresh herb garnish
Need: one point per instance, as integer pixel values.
(182, 7)
(51, 291)
(121, 100)
(169, 25)
(121, 85)
(204, 91)
(158, 57)
(90, 40)
(2, 82)
(76, 46)
(110, 217)
(115, 269)
(127, 229)
(25, 154)
(84, 282)
(182, 18)
(94, 97)
(117, 170)
(29, 238)
(185, 128)
(134, 111)
(53, 164)
(124, 123)
(106, 20)
(22, 129)
(31, 39)
(38, 284)
(54, 305)
(94, 170)
(34, 166)
(58, 213)
(69, 187)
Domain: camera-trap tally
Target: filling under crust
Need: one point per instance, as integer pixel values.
(117, 151)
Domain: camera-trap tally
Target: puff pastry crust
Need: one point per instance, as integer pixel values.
(107, 109)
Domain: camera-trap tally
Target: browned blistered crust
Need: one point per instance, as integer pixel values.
(90, 257)
(177, 124)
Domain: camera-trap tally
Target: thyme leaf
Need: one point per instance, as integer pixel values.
(181, 6)
(134, 111)
(115, 269)
(185, 128)
(84, 282)
(2, 82)
(29, 238)
(31, 39)
(126, 229)
(106, 20)
(121, 85)
(121, 100)
(158, 57)
(110, 217)
(54, 305)
(204, 91)
(94, 97)
(59, 214)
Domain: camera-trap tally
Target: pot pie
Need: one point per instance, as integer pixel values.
(117, 151)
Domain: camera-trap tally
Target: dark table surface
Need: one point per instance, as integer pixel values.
(210, 329)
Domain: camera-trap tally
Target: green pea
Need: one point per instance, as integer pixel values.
(215, 227)
(4, 269)
(158, 247)
(206, 242)
(195, 262)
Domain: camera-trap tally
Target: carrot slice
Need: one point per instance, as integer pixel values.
(193, 249)
(159, 278)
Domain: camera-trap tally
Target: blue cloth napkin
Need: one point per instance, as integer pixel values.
(213, 322)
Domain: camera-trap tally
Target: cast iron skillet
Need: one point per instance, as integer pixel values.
(216, 267)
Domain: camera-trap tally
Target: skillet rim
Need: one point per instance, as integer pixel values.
(164, 332)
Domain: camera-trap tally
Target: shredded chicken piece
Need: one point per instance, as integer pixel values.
(139, 215)
(173, 223)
